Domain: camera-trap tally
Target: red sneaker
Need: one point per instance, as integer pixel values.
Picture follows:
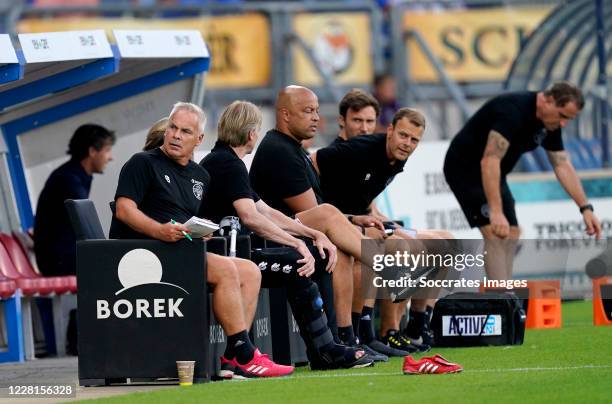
(228, 370)
(260, 366)
(430, 365)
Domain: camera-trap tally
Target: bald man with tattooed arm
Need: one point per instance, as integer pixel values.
(486, 150)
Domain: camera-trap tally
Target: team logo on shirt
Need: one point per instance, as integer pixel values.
(198, 189)
(167, 179)
(539, 137)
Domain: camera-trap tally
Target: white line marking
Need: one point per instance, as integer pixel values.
(399, 373)
(538, 369)
(502, 370)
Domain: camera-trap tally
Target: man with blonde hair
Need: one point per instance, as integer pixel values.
(163, 184)
(231, 195)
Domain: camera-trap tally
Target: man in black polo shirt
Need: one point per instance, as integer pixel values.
(231, 195)
(353, 173)
(90, 149)
(484, 152)
(282, 174)
(161, 186)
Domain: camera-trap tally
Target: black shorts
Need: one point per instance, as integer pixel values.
(467, 187)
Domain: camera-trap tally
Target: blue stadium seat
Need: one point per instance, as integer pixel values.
(592, 148)
(542, 158)
(578, 159)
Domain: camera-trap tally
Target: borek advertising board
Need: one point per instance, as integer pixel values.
(141, 307)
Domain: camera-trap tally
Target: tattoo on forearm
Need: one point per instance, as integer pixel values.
(557, 157)
(497, 145)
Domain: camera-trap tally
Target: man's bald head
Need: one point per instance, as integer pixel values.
(289, 95)
(297, 112)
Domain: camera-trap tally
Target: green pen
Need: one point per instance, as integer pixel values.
(187, 236)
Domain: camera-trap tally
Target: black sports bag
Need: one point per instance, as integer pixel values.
(477, 319)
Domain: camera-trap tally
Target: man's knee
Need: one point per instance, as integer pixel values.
(329, 210)
(331, 214)
(248, 271)
(222, 270)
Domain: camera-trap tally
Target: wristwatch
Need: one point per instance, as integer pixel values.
(585, 207)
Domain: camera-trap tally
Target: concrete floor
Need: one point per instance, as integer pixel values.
(58, 371)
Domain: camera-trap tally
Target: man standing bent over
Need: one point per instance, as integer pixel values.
(484, 152)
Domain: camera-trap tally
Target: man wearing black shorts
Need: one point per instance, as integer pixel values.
(159, 186)
(484, 152)
(231, 195)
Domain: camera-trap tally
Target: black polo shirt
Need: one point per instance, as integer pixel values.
(355, 171)
(513, 115)
(281, 169)
(162, 189)
(229, 181)
(54, 239)
(337, 140)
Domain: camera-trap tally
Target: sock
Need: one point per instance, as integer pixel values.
(239, 346)
(428, 313)
(347, 336)
(414, 328)
(366, 327)
(355, 320)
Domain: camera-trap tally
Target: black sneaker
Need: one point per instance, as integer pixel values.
(393, 340)
(375, 355)
(417, 343)
(378, 346)
(341, 357)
